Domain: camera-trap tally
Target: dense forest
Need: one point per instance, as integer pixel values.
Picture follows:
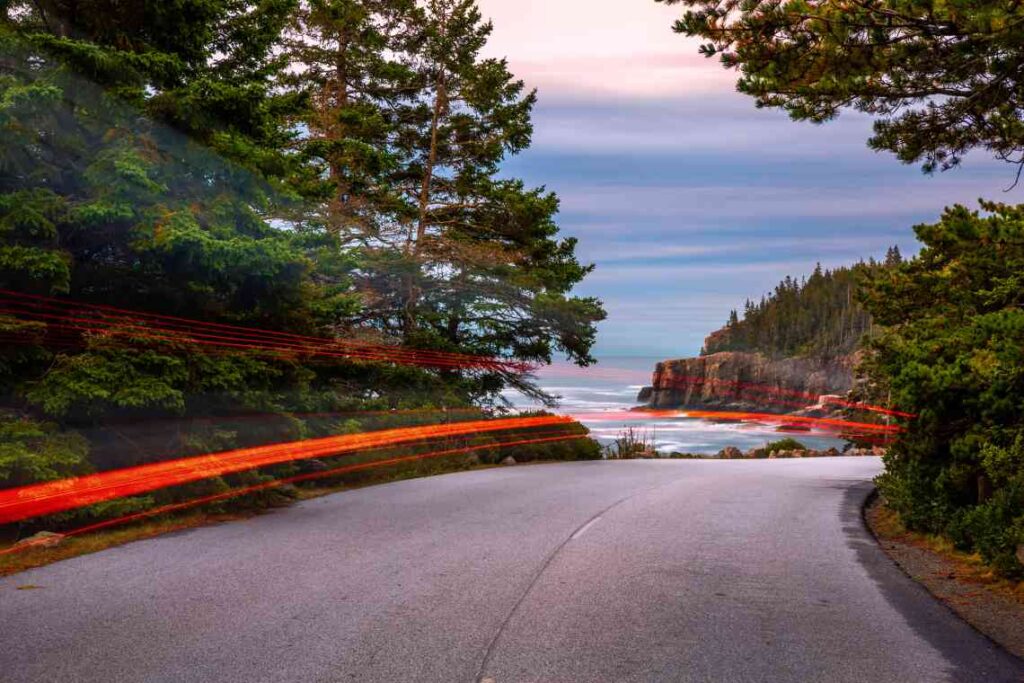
(320, 168)
(819, 316)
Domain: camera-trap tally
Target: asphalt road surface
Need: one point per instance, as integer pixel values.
(726, 571)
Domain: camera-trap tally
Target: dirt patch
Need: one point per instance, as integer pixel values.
(993, 606)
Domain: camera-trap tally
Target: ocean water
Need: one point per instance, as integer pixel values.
(600, 397)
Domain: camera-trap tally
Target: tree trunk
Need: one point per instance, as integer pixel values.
(416, 236)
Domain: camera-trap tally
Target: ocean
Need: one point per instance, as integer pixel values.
(600, 396)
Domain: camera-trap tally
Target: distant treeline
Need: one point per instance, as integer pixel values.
(815, 316)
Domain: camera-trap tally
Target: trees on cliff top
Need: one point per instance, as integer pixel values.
(818, 316)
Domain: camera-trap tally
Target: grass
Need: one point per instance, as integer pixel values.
(887, 525)
(101, 540)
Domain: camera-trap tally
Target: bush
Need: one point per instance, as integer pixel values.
(952, 353)
(786, 444)
(629, 444)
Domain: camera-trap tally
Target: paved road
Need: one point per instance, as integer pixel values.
(607, 571)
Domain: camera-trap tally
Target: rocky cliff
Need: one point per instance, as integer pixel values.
(748, 381)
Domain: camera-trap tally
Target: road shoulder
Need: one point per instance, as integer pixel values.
(992, 606)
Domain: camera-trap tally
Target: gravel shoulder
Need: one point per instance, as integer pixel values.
(993, 607)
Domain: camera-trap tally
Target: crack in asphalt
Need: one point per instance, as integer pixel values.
(492, 645)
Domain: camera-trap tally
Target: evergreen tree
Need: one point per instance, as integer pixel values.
(350, 58)
(943, 78)
(451, 257)
(816, 316)
(144, 155)
(952, 352)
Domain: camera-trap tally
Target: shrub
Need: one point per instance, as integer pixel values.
(786, 444)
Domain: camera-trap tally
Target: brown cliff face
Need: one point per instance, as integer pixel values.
(747, 381)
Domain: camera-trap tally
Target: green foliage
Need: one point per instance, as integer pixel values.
(953, 353)
(942, 77)
(819, 316)
(410, 139)
(786, 444)
(314, 167)
(32, 451)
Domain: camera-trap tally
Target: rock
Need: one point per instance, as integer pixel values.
(472, 460)
(44, 539)
(753, 453)
(832, 452)
(730, 453)
(725, 380)
(508, 460)
(645, 395)
(878, 450)
(1020, 553)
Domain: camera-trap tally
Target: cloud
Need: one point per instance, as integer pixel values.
(687, 198)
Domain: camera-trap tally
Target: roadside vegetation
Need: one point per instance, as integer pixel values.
(941, 80)
(245, 506)
(320, 168)
(630, 444)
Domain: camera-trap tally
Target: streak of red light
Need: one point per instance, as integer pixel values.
(176, 329)
(824, 423)
(34, 500)
(688, 380)
(346, 469)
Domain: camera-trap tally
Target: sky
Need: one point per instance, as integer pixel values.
(687, 198)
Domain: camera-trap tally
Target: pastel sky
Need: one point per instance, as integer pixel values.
(687, 198)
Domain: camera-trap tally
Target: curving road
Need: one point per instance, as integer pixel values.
(726, 571)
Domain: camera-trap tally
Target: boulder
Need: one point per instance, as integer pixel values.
(753, 453)
(730, 453)
(472, 460)
(44, 539)
(1020, 553)
(508, 460)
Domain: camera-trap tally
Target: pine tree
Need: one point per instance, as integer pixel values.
(451, 256)
(350, 58)
(145, 154)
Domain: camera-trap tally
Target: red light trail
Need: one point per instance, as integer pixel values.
(768, 390)
(67, 321)
(50, 497)
(346, 469)
(823, 423)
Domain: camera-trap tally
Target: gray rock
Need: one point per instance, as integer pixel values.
(508, 460)
(44, 539)
(730, 453)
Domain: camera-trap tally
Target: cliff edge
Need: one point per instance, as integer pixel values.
(747, 381)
